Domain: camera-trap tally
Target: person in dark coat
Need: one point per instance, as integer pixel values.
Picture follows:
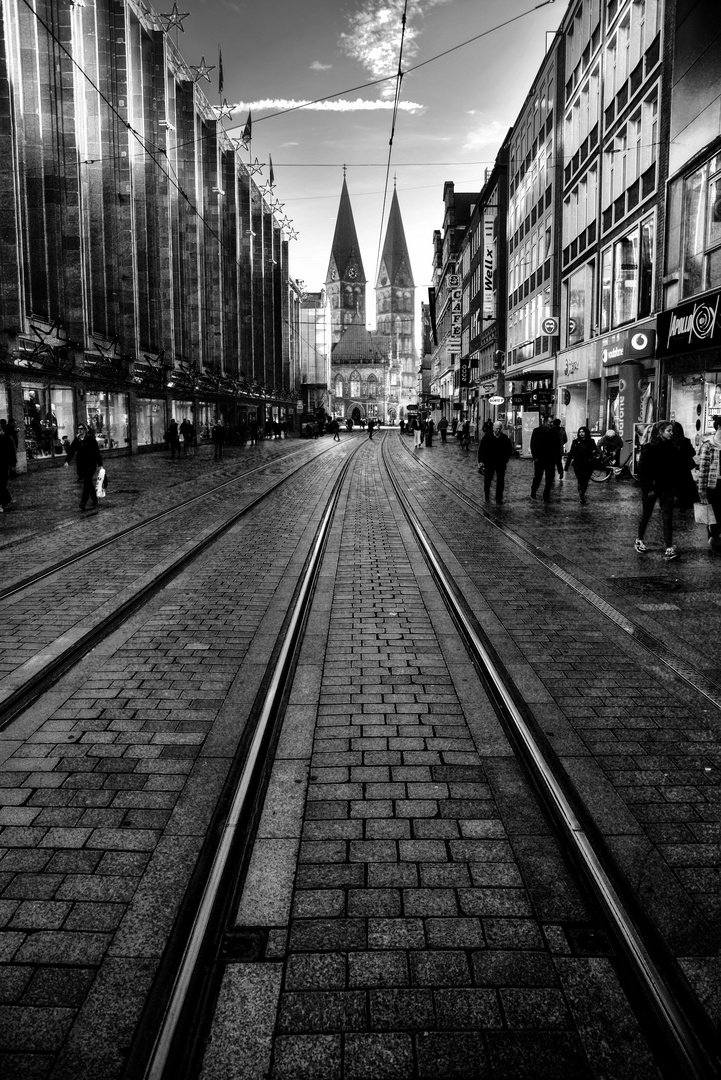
(709, 483)
(173, 438)
(687, 493)
(543, 451)
(8, 459)
(87, 453)
(218, 434)
(494, 453)
(371, 427)
(562, 438)
(582, 458)
(443, 428)
(660, 476)
(430, 428)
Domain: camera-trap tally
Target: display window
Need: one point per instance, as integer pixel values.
(151, 424)
(4, 404)
(205, 418)
(48, 418)
(107, 416)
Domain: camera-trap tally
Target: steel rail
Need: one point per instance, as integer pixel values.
(691, 1058)
(24, 696)
(71, 560)
(162, 1050)
(683, 669)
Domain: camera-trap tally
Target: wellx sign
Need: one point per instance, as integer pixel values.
(691, 326)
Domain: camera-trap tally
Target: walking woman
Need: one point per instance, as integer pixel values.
(660, 476)
(709, 483)
(581, 457)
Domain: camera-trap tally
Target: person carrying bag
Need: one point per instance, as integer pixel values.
(708, 509)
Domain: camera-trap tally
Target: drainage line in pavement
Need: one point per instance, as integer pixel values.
(168, 1057)
(672, 1026)
(661, 652)
(55, 667)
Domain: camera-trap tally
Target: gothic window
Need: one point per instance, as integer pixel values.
(355, 385)
(372, 386)
(339, 386)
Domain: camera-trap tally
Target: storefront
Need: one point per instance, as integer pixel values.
(151, 421)
(579, 388)
(107, 416)
(530, 397)
(689, 351)
(48, 419)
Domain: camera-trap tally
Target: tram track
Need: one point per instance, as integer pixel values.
(23, 687)
(674, 1028)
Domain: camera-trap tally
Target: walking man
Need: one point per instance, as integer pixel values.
(218, 440)
(543, 452)
(560, 432)
(494, 452)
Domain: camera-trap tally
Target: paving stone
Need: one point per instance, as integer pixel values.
(378, 1057)
(317, 971)
(307, 1057)
(322, 1011)
(445, 1056)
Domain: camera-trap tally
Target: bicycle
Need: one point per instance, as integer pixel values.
(605, 467)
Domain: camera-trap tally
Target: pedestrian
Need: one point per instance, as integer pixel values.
(687, 491)
(659, 471)
(582, 457)
(402, 425)
(8, 460)
(371, 426)
(454, 426)
(466, 435)
(610, 446)
(87, 453)
(709, 484)
(543, 452)
(172, 438)
(218, 436)
(186, 431)
(443, 428)
(335, 427)
(430, 428)
(416, 428)
(494, 453)
(562, 438)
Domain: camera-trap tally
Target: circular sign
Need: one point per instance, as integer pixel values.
(496, 400)
(639, 342)
(549, 327)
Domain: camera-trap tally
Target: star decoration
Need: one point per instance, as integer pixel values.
(256, 167)
(237, 144)
(202, 71)
(286, 223)
(107, 350)
(293, 234)
(155, 359)
(277, 206)
(266, 189)
(175, 19)
(223, 110)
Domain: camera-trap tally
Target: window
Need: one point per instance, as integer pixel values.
(701, 229)
(372, 386)
(355, 385)
(339, 386)
(627, 277)
(578, 304)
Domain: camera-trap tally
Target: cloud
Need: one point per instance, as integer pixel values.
(486, 136)
(336, 105)
(317, 66)
(290, 144)
(374, 36)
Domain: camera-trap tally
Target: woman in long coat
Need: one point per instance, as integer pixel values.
(581, 457)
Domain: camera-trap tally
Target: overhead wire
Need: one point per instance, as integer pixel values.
(396, 101)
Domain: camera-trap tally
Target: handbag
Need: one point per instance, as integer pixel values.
(703, 513)
(100, 483)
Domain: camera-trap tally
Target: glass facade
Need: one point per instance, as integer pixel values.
(48, 419)
(151, 422)
(107, 415)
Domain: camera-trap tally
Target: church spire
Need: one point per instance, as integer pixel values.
(345, 259)
(395, 266)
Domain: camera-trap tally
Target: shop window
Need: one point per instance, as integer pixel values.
(48, 416)
(151, 421)
(107, 415)
(627, 277)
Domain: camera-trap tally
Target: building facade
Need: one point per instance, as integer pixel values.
(395, 315)
(142, 272)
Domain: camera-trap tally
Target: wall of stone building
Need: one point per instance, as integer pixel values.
(126, 213)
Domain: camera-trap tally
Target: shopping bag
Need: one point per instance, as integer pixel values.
(703, 513)
(100, 483)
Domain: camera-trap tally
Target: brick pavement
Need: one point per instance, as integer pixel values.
(108, 787)
(433, 929)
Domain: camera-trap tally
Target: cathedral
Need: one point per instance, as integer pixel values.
(373, 373)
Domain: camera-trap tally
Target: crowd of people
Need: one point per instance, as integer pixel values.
(671, 473)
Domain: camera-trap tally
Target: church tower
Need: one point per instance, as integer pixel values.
(395, 307)
(345, 281)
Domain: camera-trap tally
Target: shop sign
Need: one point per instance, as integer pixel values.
(496, 400)
(634, 344)
(517, 400)
(489, 265)
(690, 326)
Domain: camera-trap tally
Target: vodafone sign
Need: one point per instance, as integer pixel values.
(627, 345)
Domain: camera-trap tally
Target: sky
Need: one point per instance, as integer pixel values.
(452, 115)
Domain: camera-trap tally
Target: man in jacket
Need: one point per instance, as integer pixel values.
(84, 445)
(494, 452)
(544, 445)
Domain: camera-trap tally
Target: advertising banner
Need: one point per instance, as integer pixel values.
(628, 407)
(691, 326)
